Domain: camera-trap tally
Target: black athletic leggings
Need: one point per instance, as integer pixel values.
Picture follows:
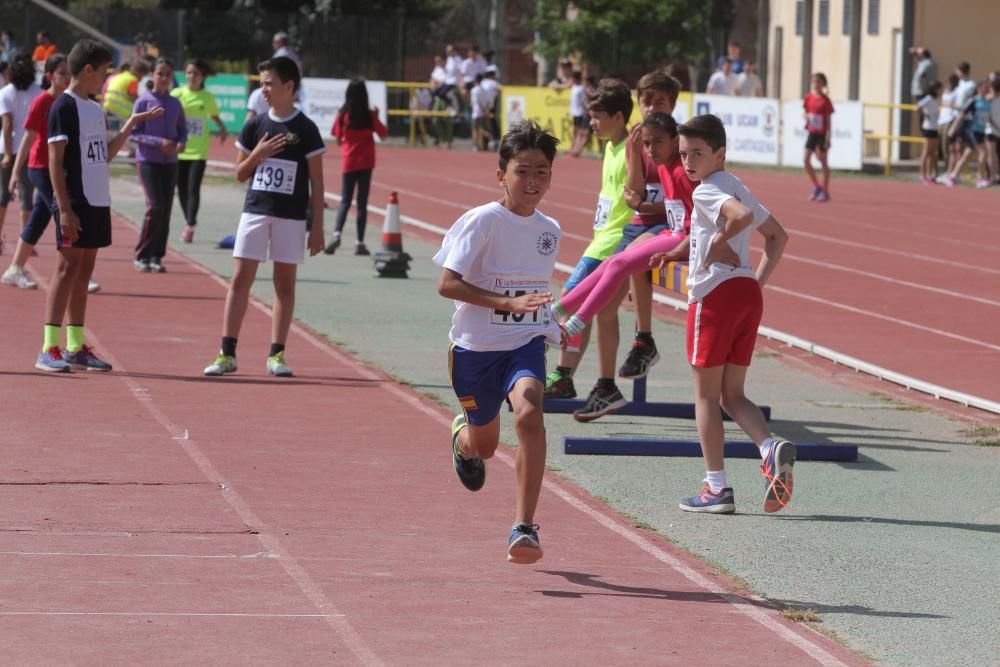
(158, 182)
(363, 179)
(189, 175)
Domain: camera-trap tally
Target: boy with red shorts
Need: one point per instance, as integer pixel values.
(725, 307)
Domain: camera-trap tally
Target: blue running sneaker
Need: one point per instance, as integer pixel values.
(524, 547)
(51, 361)
(723, 502)
(471, 472)
(84, 359)
(777, 472)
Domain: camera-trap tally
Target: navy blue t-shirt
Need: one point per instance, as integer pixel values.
(280, 185)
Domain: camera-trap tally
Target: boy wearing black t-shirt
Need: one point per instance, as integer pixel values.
(281, 154)
(79, 154)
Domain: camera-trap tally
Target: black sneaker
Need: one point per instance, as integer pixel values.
(361, 249)
(639, 359)
(558, 385)
(332, 246)
(471, 472)
(600, 402)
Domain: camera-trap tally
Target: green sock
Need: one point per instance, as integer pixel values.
(74, 337)
(51, 336)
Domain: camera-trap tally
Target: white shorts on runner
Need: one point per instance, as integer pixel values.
(257, 233)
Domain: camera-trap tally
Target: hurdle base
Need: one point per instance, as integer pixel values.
(561, 406)
(692, 448)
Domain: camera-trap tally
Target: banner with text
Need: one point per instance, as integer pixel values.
(322, 99)
(846, 142)
(751, 126)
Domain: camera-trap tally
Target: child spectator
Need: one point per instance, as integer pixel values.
(578, 112)
(946, 116)
(930, 112)
(354, 128)
(818, 109)
(482, 109)
(657, 135)
(15, 99)
(33, 154)
(281, 154)
(994, 127)
(725, 306)
(970, 127)
(609, 106)
(199, 107)
(79, 154)
(496, 263)
(158, 142)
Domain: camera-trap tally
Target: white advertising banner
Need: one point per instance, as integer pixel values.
(846, 143)
(751, 126)
(324, 97)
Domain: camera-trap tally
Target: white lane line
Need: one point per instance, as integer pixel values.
(182, 614)
(336, 621)
(83, 554)
(885, 318)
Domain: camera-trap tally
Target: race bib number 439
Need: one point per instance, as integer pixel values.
(516, 288)
(274, 175)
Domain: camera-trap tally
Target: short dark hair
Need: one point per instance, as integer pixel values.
(284, 68)
(660, 80)
(935, 88)
(706, 127)
(964, 67)
(88, 52)
(611, 96)
(525, 136)
(22, 71)
(663, 121)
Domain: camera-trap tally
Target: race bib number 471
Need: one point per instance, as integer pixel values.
(274, 175)
(516, 288)
(97, 149)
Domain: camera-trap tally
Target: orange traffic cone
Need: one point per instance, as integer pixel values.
(391, 261)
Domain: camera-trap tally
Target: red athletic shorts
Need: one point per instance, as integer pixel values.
(722, 327)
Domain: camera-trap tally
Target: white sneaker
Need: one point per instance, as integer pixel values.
(276, 366)
(221, 365)
(93, 286)
(18, 277)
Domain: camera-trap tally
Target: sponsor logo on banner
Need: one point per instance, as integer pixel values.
(751, 126)
(322, 99)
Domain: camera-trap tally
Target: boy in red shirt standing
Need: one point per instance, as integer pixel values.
(818, 109)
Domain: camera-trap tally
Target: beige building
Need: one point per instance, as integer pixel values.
(863, 48)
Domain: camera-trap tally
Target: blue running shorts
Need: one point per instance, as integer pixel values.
(482, 380)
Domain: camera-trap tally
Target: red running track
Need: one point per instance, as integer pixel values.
(895, 274)
(151, 515)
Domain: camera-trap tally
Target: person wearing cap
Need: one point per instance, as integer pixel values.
(564, 76)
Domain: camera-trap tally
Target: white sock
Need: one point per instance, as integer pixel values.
(574, 325)
(766, 447)
(716, 479)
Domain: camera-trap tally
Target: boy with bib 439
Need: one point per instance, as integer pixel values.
(496, 263)
(281, 154)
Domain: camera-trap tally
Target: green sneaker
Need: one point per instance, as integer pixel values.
(223, 364)
(471, 472)
(276, 366)
(558, 385)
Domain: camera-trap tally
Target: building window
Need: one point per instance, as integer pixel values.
(848, 5)
(873, 16)
(799, 18)
(824, 17)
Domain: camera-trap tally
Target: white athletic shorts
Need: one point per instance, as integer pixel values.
(257, 233)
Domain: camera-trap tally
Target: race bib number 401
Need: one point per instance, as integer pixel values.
(195, 127)
(516, 288)
(602, 212)
(274, 175)
(675, 214)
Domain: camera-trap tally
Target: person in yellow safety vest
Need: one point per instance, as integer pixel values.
(123, 89)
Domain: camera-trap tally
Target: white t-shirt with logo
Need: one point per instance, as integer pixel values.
(16, 103)
(709, 197)
(499, 251)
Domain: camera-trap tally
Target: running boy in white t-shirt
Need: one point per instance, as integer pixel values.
(725, 307)
(496, 263)
(281, 154)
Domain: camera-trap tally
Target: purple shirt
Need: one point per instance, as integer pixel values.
(171, 125)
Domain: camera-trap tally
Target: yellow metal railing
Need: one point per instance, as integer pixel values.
(415, 114)
(889, 136)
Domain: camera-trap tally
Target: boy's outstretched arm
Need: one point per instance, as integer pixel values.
(775, 239)
(136, 118)
(451, 285)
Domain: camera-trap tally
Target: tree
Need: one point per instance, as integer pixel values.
(629, 37)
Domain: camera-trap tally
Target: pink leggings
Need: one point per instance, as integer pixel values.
(597, 290)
